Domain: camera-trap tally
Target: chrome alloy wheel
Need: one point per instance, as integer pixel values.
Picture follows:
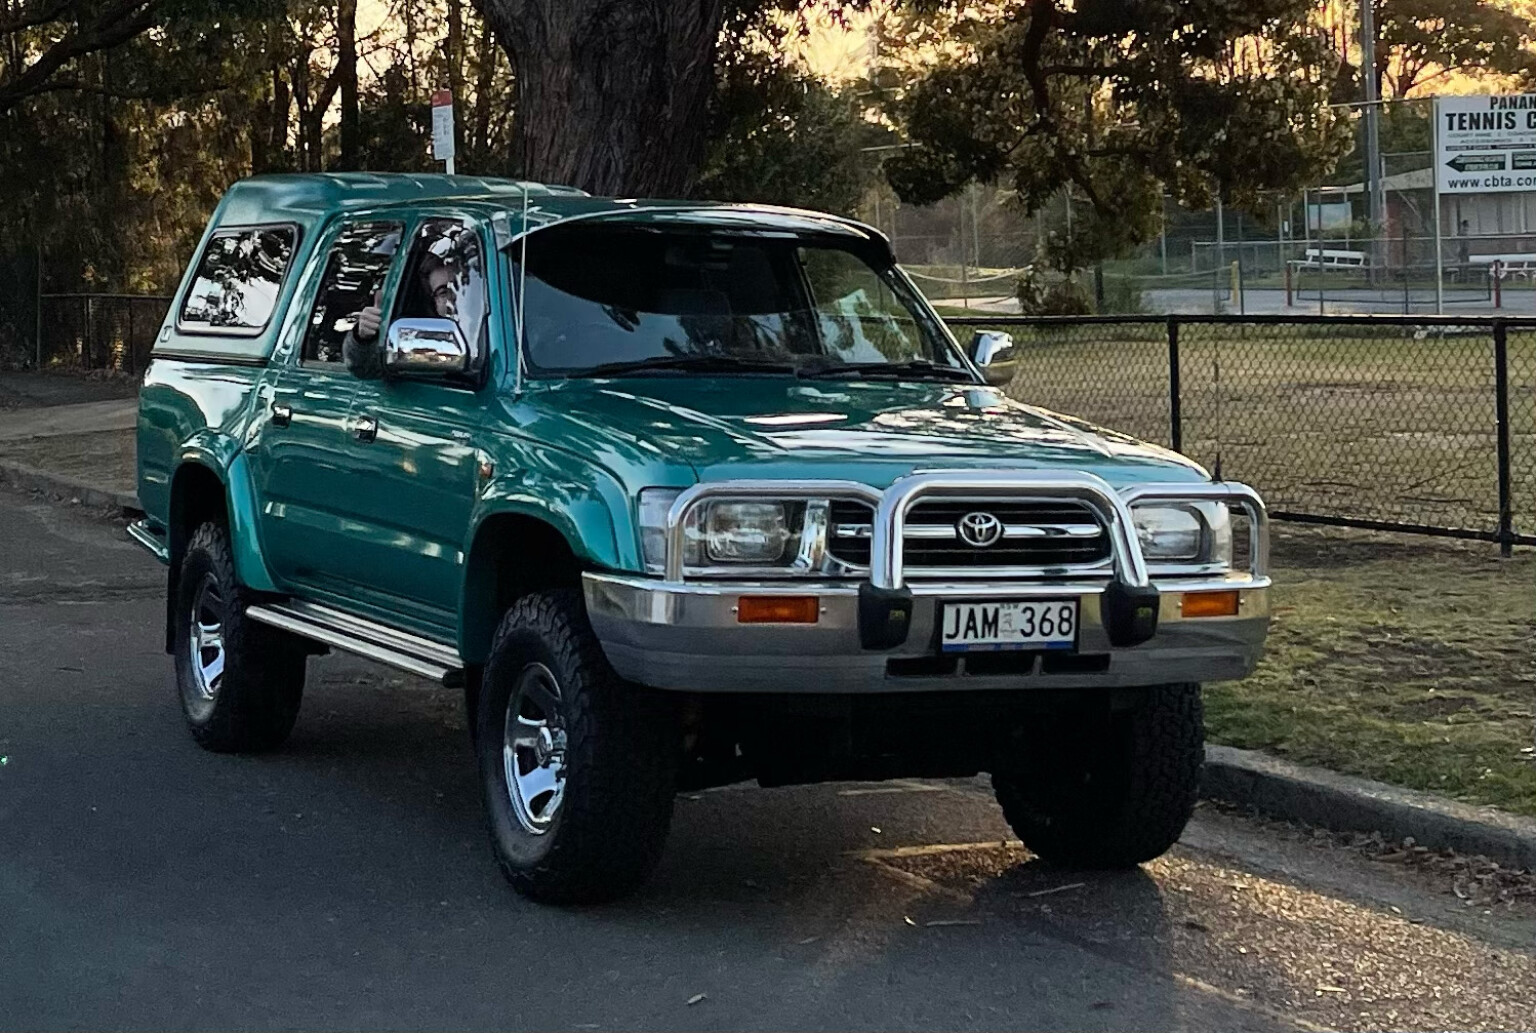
(206, 639)
(533, 749)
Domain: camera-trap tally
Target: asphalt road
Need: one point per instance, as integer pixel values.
(345, 881)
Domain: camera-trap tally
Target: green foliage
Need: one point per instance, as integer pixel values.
(1123, 101)
(1423, 41)
(1122, 296)
(1042, 294)
(782, 137)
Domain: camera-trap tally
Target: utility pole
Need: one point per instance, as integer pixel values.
(1376, 201)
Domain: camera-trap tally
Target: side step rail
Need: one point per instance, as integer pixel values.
(350, 633)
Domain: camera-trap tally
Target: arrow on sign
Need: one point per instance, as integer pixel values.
(1477, 163)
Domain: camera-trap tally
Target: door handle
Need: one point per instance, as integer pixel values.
(366, 428)
(282, 415)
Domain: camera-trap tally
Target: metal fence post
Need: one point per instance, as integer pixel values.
(38, 315)
(1501, 431)
(1175, 402)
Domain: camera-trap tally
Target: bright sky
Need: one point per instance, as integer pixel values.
(837, 51)
(841, 49)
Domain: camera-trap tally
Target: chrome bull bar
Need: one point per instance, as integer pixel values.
(892, 507)
(886, 559)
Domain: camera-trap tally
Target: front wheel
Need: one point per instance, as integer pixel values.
(578, 767)
(1108, 790)
(240, 682)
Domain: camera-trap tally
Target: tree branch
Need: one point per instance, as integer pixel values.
(167, 91)
(1041, 15)
(1081, 71)
(43, 17)
(114, 26)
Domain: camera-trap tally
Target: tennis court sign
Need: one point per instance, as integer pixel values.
(1485, 144)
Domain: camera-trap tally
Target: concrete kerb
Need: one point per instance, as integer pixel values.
(33, 479)
(1280, 789)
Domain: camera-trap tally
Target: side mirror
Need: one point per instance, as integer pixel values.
(433, 347)
(990, 346)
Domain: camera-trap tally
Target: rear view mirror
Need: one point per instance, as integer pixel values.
(431, 347)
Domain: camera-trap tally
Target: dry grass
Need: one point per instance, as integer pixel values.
(1405, 660)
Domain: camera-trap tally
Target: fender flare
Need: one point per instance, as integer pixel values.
(221, 455)
(591, 518)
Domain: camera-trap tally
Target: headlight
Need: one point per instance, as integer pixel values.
(726, 533)
(1190, 532)
(742, 532)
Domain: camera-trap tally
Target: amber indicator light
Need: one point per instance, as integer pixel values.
(777, 609)
(1210, 604)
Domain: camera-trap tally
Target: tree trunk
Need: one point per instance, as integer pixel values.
(485, 72)
(346, 68)
(611, 97)
(456, 52)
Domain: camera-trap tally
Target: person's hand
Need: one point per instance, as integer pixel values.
(368, 321)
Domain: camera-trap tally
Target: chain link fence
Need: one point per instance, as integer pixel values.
(1417, 424)
(96, 331)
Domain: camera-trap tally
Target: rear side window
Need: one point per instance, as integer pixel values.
(354, 279)
(238, 280)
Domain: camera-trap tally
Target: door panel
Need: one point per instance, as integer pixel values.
(410, 509)
(301, 473)
(413, 474)
(304, 467)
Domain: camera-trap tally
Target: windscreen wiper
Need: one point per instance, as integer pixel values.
(919, 368)
(690, 363)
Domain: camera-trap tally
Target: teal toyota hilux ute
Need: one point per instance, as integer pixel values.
(680, 494)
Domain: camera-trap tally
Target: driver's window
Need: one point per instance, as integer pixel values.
(355, 274)
(445, 279)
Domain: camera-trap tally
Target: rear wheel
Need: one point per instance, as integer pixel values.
(240, 682)
(1108, 790)
(578, 766)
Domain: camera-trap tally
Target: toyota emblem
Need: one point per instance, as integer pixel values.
(979, 529)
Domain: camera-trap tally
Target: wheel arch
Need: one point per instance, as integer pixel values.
(513, 552)
(203, 488)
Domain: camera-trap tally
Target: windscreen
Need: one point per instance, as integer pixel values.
(605, 297)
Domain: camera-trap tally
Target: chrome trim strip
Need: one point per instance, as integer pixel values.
(345, 631)
(1052, 530)
(1098, 569)
(139, 531)
(439, 652)
(947, 532)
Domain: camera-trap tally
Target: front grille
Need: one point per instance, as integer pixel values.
(850, 525)
(1029, 534)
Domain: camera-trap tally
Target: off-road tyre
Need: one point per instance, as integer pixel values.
(256, 699)
(620, 759)
(1108, 789)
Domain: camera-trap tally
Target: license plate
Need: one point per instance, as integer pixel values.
(1036, 624)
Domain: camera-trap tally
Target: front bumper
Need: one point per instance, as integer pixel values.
(687, 637)
(882, 634)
